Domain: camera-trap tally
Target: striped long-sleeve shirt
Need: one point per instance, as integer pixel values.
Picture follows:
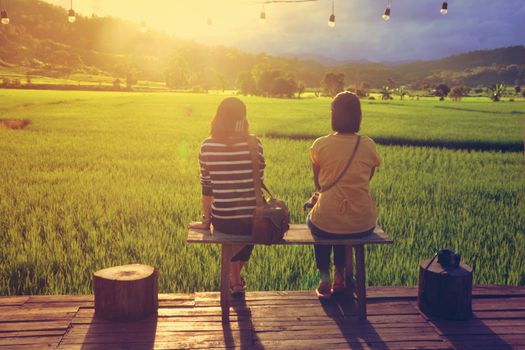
(226, 174)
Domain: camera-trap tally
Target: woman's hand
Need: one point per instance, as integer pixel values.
(311, 202)
(200, 225)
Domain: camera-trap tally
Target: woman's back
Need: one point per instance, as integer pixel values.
(348, 206)
(227, 175)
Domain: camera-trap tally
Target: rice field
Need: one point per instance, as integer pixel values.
(100, 179)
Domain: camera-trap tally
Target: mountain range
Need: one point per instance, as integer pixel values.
(40, 41)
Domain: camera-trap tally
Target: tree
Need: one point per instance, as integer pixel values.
(402, 91)
(177, 73)
(131, 79)
(496, 91)
(221, 82)
(246, 83)
(116, 84)
(386, 93)
(300, 89)
(284, 86)
(457, 93)
(333, 83)
(442, 91)
(265, 84)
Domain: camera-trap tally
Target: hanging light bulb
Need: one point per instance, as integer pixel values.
(71, 16)
(262, 17)
(331, 20)
(209, 21)
(386, 15)
(143, 28)
(444, 8)
(4, 17)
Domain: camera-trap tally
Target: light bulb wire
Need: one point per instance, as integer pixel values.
(71, 4)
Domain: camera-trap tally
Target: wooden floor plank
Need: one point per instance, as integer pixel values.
(53, 332)
(33, 326)
(13, 301)
(269, 320)
(41, 340)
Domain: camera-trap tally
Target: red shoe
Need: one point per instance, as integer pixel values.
(323, 290)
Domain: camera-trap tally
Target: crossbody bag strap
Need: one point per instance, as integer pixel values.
(346, 167)
(253, 145)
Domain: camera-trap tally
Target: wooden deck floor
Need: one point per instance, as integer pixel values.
(266, 320)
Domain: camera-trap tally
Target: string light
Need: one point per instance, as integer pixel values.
(331, 20)
(262, 17)
(4, 17)
(386, 14)
(71, 16)
(444, 8)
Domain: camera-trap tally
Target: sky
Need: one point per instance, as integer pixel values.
(416, 29)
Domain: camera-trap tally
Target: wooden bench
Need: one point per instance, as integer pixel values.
(298, 234)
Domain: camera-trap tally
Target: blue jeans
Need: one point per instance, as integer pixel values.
(323, 252)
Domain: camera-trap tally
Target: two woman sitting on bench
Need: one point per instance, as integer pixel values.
(343, 165)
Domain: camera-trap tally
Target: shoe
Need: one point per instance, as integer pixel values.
(323, 290)
(238, 289)
(339, 285)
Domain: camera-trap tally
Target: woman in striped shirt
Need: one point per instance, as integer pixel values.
(226, 174)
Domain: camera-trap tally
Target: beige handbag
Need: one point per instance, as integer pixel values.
(272, 217)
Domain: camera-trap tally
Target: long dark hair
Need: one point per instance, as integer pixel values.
(230, 120)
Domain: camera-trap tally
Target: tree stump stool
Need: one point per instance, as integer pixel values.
(126, 293)
(445, 293)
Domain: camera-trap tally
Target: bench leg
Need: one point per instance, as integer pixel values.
(349, 271)
(226, 255)
(361, 281)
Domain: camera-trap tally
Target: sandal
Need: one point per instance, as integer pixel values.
(323, 290)
(238, 289)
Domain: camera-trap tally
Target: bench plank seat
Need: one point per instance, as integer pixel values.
(298, 234)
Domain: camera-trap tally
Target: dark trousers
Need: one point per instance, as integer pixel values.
(239, 227)
(323, 252)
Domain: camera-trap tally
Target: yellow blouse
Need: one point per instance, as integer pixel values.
(347, 207)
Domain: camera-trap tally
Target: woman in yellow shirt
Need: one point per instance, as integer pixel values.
(343, 164)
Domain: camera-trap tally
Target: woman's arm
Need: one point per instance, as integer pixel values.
(207, 195)
(316, 168)
(372, 173)
(206, 214)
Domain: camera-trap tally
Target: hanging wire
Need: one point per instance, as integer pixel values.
(286, 1)
(331, 20)
(262, 16)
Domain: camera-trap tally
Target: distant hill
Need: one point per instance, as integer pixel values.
(40, 41)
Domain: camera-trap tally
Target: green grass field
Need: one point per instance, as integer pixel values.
(99, 179)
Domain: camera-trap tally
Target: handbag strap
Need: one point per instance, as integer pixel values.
(346, 167)
(253, 145)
